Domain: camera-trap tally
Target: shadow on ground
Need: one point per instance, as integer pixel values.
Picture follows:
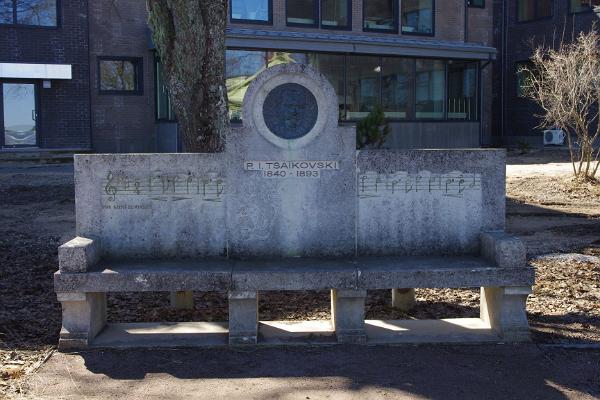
(432, 372)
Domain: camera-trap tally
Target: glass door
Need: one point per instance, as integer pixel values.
(19, 114)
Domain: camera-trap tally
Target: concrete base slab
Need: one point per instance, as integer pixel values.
(296, 332)
(180, 334)
(459, 330)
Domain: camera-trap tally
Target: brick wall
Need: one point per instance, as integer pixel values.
(514, 117)
(64, 114)
(121, 123)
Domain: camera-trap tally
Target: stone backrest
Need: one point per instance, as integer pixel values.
(290, 184)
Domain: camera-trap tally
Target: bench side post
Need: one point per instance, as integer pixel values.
(83, 317)
(403, 299)
(503, 308)
(243, 317)
(348, 315)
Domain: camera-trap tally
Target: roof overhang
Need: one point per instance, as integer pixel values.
(35, 71)
(360, 44)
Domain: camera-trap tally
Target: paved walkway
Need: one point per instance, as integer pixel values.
(338, 372)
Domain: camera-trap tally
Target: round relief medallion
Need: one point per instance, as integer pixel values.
(290, 111)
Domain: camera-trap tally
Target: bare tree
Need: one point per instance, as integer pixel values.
(190, 40)
(565, 82)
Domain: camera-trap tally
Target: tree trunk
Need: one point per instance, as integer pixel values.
(189, 36)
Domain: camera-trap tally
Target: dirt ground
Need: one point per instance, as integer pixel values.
(559, 222)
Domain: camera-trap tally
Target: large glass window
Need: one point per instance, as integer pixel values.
(256, 11)
(577, 6)
(301, 12)
(333, 66)
(120, 75)
(396, 86)
(380, 15)
(363, 81)
(406, 88)
(417, 17)
(462, 91)
(335, 13)
(29, 12)
(430, 89)
(242, 68)
(528, 10)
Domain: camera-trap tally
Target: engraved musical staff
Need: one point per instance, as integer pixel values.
(165, 187)
(453, 184)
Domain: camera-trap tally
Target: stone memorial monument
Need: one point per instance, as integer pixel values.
(291, 205)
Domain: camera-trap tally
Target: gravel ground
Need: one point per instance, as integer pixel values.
(548, 211)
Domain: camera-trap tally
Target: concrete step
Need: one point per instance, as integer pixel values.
(272, 333)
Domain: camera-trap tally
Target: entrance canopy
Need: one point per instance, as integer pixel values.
(35, 71)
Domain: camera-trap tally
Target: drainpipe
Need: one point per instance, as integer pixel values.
(503, 42)
(466, 21)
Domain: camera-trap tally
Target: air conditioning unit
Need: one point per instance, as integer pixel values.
(554, 137)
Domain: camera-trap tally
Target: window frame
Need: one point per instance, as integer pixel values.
(139, 76)
(433, 15)
(252, 21)
(395, 11)
(585, 11)
(15, 24)
(470, 4)
(348, 27)
(316, 11)
(536, 17)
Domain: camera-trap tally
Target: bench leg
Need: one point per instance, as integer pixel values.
(243, 318)
(504, 309)
(403, 299)
(182, 300)
(348, 315)
(83, 317)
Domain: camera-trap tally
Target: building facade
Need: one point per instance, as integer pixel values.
(520, 26)
(44, 75)
(428, 63)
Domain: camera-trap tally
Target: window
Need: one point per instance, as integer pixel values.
(417, 17)
(333, 67)
(242, 67)
(380, 15)
(120, 75)
(251, 11)
(335, 14)
(408, 89)
(477, 3)
(528, 10)
(430, 89)
(301, 12)
(363, 85)
(29, 12)
(523, 72)
(577, 6)
(396, 86)
(164, 110)
(462, 91)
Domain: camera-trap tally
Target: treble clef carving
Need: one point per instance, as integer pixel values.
(110, 189)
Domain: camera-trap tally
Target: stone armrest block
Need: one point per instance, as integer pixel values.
(503, 250)
(78, 255)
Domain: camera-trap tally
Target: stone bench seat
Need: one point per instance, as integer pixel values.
(292, 274)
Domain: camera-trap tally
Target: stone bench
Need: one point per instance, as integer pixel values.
(291, 189)
(83, 281)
